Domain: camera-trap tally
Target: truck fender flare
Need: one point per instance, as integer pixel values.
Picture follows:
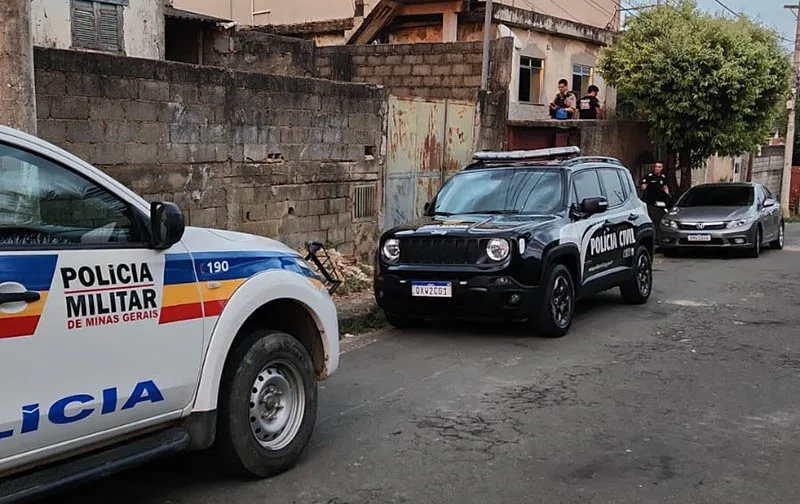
(256, 292)
(562, 250)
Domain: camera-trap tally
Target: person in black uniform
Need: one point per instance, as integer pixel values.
(654, 186)
(589, 105)
(655, 193)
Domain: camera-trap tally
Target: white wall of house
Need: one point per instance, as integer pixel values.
(558, 56)
(142, 26)
(280, 11)
(598, 13)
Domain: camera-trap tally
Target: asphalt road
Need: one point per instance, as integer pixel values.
(691, 398)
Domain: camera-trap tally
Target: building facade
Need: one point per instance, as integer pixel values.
(123, 27)
(597, 13)
(552, 40)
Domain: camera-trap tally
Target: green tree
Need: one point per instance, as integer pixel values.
(706, 84)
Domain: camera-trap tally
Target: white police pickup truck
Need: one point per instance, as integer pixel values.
(126, 336)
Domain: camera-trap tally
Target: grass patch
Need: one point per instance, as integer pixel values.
(792, 220)
(370, 321)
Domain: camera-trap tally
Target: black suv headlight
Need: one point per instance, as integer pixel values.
(497, 249)
(391, 250)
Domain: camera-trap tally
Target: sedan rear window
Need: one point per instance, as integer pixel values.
(718, 196)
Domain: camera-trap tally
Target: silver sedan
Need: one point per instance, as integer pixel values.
(723, 215)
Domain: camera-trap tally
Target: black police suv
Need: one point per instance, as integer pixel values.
(519, 236)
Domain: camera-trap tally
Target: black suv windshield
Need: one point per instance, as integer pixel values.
(717, 196)
(501, 190)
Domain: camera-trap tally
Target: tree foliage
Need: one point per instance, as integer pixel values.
(707, 84)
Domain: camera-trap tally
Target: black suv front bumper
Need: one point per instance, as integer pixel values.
(490, 297)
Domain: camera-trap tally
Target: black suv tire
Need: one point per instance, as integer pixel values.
(637, 290)
(558, 284)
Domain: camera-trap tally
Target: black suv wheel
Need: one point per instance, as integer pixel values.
(558, 307)
(637, 290)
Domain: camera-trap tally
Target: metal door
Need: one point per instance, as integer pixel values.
(429, 140)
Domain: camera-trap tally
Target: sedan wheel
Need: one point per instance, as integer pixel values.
(755, 250)
(777, 244)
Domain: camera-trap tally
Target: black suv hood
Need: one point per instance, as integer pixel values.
(471, 224)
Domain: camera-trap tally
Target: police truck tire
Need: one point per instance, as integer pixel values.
(267, 404)
(637, 290)
(552, 321)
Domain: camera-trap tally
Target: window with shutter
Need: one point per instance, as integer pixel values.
(97, 25)
(108, 22)
(83, 32)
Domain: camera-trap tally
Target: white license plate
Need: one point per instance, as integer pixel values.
(432, 289)
(699, 237)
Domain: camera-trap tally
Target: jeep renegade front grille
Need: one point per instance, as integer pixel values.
(439, 250)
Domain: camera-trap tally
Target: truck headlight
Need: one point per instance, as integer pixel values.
(391, 250)
(739, 223)
(497, 249)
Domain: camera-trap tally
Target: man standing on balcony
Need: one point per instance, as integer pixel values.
(565, 104)
(589, 106)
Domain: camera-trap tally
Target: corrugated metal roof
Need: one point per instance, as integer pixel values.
(172, 12)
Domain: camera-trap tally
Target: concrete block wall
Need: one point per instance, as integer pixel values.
(448, 70)
(768, 168)
(255, 51)
(272, 155)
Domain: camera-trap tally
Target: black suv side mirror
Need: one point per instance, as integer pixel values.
(591, 206)
(167, 225)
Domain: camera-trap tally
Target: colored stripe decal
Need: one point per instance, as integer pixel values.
(224, 291)
(214, 308)
(179, 269)
(34, 271)
(219, 275)
(181, 313)
(180, 294)
(31, 310)
(19, 326)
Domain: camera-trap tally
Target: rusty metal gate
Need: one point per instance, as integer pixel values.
(429, 140)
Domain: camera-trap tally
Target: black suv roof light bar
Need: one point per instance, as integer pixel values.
(593, 159)
(526, 155)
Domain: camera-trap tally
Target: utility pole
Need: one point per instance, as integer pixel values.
(786, 180)
(487, 43)
(17, 96)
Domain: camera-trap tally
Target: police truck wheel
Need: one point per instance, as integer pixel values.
(558, 307)
(267, 404)
(637, 290)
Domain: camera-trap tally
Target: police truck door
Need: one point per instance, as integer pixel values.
(85, 346)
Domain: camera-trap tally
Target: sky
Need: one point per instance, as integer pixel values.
(770, 12)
